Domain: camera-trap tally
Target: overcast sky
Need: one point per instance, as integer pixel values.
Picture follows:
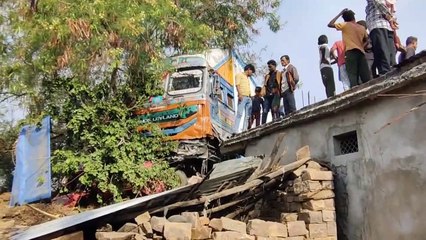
(307, 19)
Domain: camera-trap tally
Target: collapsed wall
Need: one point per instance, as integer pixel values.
(300, 208)
(306, 205)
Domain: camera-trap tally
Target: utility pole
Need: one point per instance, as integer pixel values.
(309, 98)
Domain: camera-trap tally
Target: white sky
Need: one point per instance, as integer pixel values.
(307, 19)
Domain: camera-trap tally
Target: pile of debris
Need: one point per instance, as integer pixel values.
(306, 205)
(189, 225)
(303, 209)
(263, 201)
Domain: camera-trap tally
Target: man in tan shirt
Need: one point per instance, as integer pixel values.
(242, 82)
(355, 38)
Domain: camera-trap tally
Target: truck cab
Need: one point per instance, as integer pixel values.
(198, 107)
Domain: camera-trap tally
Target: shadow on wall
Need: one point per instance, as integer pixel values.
(395, 205)
(341, 201)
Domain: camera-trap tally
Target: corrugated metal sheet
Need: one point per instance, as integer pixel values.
(62, 224)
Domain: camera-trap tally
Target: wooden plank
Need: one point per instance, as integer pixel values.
(247, 186)
(268, 162)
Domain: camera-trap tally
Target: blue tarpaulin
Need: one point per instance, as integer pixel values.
(31, 178)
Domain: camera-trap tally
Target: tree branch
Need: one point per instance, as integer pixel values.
(10, 95)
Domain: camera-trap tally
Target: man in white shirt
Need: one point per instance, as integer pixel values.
(327, 74)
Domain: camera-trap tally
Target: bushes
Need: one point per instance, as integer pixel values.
(102, 150)
(8, 135)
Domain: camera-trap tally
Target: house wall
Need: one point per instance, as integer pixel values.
(381, 189)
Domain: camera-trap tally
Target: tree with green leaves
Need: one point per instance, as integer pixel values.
(7, 144)
(91, 64)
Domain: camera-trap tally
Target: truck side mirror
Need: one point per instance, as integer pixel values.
(215, 85)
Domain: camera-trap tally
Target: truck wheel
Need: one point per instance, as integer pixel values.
(182, 178)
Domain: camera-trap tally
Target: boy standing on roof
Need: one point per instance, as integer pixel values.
(338, 52)
(327, 74)
(355, 38)
(257, 102)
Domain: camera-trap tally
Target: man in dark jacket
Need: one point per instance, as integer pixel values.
(288, 84)
(271, 88)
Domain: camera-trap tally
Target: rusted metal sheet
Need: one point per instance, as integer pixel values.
(231, 166)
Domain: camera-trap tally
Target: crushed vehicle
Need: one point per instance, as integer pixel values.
(198, 108)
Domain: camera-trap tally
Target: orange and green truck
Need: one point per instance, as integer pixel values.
(198, 107)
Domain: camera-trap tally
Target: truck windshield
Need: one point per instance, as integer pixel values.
(187, 81)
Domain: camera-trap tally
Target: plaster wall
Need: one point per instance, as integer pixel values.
(381, 189)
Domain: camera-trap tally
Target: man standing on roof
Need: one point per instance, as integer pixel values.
(410, 49)
(382, 24)
(369, 55)
(338, 51)
(326, 71)
(242, 82)
(288, 84)
(272, 90)
(355, 38)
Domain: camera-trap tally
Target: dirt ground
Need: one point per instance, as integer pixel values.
(17, 219)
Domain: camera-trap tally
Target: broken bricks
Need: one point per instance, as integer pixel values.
(297, 228)
(193, 218)
(229, 235)
(204, 221)
(114, 235)
(216, 224)
(144, 217)
(317, 175)
(233, 225)
(288, 217)
(157, 223)
(201, 232)
(129, 227)
(177, 231)
(262, 228)
(311, 216)
(146, 229)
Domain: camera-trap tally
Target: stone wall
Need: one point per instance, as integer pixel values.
(305, 204)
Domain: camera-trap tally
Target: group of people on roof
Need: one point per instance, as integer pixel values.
(367, 50)
(278, 86)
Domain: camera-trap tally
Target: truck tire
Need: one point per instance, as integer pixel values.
(182, 178)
